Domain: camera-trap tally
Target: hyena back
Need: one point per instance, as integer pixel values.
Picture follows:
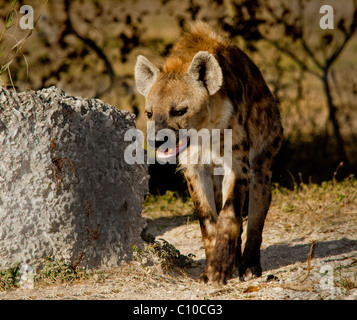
(208, 82)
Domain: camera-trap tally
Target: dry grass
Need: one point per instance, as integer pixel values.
(316, 207)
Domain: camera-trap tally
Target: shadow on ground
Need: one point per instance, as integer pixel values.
(280, 255)
(272, 257)
(162, 224)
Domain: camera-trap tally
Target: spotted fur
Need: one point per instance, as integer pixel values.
(219, 87)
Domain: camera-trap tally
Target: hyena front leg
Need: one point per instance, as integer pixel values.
(220, 268)
(259, 202)
(200, 185)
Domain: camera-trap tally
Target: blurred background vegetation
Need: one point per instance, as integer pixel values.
(89, 48)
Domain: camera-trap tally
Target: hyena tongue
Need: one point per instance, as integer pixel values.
(172, 152)
(168, 153)
(182, 145)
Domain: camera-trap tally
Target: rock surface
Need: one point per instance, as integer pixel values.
(65, 189)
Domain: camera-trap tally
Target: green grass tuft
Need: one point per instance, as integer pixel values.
(9, 277)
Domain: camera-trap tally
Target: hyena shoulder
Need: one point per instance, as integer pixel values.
(199, 37)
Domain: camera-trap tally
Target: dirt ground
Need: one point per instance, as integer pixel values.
(309, 251)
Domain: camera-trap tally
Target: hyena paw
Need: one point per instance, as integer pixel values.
(203, 277)
(250, 273)
(219, 276)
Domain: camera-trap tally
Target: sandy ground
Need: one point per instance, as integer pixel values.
(288, 272)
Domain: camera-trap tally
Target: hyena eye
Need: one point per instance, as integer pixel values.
(179, 112)
(149, 114)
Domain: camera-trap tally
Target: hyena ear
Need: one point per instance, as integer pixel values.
(145, 75)
(205, 69)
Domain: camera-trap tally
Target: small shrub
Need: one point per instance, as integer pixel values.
(170, 256)
(59, 271)
(9, 277)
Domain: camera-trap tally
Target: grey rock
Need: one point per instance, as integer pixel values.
(65, 190)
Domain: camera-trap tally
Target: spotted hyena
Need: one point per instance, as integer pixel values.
(208, 82)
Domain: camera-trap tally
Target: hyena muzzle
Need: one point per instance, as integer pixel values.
(208, 83)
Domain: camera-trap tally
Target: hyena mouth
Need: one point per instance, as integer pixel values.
(164, 152)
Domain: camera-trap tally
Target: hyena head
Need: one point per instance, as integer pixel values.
(177, 97)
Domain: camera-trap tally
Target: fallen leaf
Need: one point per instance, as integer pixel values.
(250, 289)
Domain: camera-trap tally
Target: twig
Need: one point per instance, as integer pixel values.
(309, 261)
(297, 287)
(335, 173)
(293, 179)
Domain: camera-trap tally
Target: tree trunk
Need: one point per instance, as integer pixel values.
(332, 116)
